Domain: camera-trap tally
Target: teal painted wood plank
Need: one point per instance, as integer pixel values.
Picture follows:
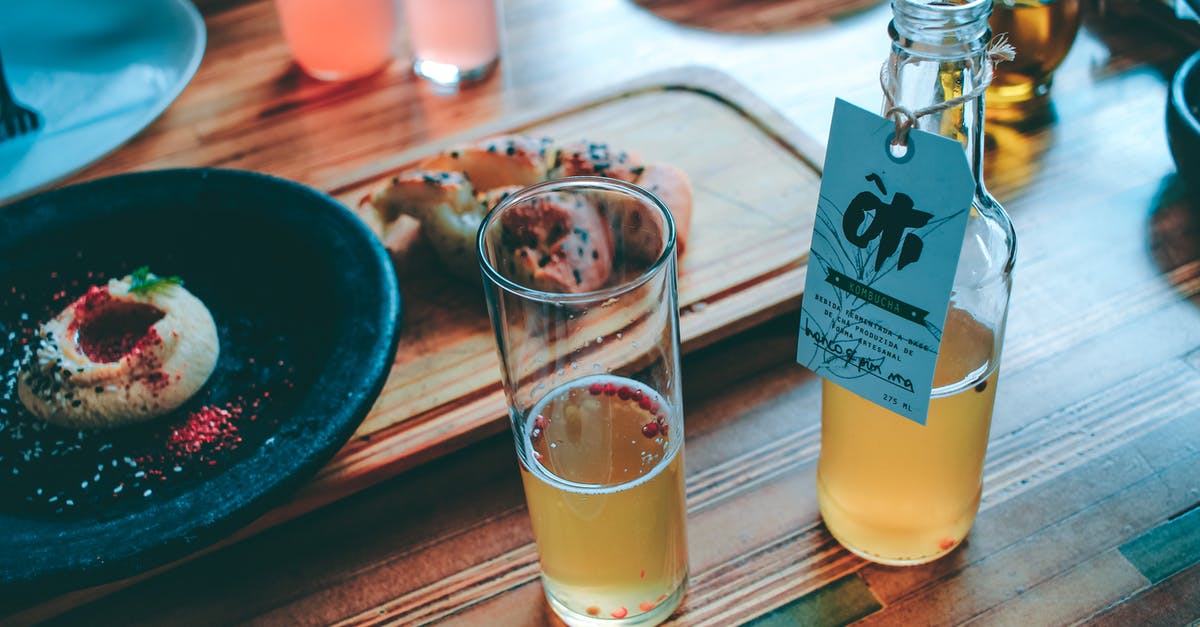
(843, 601)
(1167, 548)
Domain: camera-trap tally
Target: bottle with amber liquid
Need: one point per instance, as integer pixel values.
(1042, 31)
(891, 490)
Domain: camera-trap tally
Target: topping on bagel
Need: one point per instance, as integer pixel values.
(498, 162)
(586, 158)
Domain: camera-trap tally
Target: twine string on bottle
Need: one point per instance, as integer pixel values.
(998, 50)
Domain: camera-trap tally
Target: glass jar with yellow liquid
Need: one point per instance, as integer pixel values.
(1042, 31)
(891, 490)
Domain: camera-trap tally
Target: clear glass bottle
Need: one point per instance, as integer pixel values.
(891, 490)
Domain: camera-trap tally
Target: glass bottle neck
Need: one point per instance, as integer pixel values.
(931, 73)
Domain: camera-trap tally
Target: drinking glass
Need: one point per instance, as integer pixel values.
(1042, 31)
(453, 41)
(579, 275)
(339, 39)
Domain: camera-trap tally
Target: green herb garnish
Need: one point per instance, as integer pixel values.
(143, 282)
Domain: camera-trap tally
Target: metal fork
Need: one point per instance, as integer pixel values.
(14, 119)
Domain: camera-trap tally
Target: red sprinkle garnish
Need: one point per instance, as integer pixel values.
(206, 431)
(596, 389)
(636, 396)
(643, 575)
(662, 428)
(946, 543)
(620, 612)
(653, 408)
(593, 610)
(645, 403)
(645, 606)
(540, 422)
(650, 429)
(107, 330)
(610, 389)
(624, 392)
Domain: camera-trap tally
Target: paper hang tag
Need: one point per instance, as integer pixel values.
(885, 248)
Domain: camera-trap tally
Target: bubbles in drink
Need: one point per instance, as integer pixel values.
(604, 483)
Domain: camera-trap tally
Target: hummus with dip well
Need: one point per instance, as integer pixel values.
(126, 352)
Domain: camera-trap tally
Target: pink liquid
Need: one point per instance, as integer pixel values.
(460, 33)
(339, 39)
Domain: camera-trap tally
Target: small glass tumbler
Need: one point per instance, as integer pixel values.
(1042, 32)
(334, 40)
(453, 41)
(579, 275)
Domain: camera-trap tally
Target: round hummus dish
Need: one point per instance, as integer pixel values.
(125, 352)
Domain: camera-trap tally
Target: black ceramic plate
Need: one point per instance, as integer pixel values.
(307, 309)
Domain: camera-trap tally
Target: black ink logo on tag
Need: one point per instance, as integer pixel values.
(888, 222)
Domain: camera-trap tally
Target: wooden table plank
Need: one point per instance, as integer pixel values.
(1070, 597)
(1170, 602)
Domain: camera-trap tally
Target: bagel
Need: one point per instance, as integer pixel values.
(445, 204)
(557, 242)
(451, 192)
(497, 162)
(672, 186)
(585, 158)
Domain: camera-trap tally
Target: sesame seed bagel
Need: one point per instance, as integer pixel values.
(449, 193)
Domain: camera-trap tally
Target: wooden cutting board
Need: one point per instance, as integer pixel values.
(756, 179)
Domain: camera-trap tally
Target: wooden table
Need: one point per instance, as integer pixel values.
(1093, 471)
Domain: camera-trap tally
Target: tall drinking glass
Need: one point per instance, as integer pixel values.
(579, 275)
(453, 41)
(334, 40)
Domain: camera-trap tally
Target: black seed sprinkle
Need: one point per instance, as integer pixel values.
(578, 277)
(982, 386)
(544, 261)
(595, 254)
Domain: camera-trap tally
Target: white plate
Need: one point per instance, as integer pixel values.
(98, 71)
